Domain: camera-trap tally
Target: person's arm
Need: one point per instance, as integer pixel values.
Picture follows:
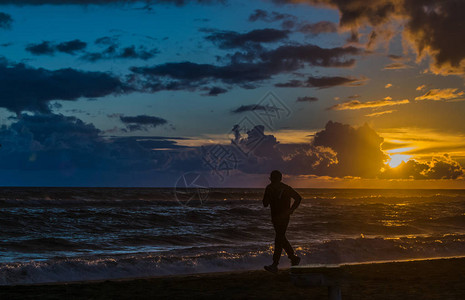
(266, 198)
(297, 199)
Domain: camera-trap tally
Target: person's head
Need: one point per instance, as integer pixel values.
(276, 176)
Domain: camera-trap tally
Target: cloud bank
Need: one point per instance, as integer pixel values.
(27, 88)
(72, 152)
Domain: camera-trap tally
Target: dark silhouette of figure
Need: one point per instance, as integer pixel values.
(278, 195)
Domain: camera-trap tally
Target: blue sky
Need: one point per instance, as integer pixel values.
(103, 76)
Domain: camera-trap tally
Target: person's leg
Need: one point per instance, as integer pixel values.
(281, 242)
(285, 243)
(295, 260)
(278, 241)
(280, 227)
(288, 248)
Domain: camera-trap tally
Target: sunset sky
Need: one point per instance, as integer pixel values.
(137, 93)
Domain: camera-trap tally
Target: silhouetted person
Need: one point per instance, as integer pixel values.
(278, 195)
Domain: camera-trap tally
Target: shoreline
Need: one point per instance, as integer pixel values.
(436, 278)
(315, 266)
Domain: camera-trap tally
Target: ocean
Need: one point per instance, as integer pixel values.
(67, 234)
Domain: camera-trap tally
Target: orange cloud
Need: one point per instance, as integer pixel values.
(440, 94)
(355, 104)
(421, 87)
(376, 114)
(423, 143)
(388, 86)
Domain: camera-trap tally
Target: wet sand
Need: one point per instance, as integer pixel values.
(426, 279)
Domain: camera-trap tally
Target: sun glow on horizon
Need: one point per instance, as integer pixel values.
(397, 156)
(396, 159)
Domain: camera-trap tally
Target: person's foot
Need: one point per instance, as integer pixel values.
(272, 268)
(295, 261)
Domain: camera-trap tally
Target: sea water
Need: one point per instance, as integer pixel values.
(67, 234)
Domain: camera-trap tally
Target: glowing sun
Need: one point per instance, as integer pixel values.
(396, 159)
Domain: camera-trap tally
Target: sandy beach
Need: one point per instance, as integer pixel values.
(424, 279)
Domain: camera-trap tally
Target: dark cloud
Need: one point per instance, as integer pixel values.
(436, 29)
(147, 137)
(50, 142)
(251, 39)
(433, 28)
(152, 142)
(444, 168)
(313, 55)
(308, 159)
(114, 52)
(259, 14)
(252, 49)
(49, 48)
(438, 168)
(267, 63)
(252, 107)
(323, 82)
(105, 2)
(27, 88)
(67, 151)
(55, 131)
(339, 150)
(289, 22)
(142, 122)
(395, 57)
(71, 46)
(318, 28)
(357, 12)
(216, 90)
(41, 49)
(307, 99)
(262, 15)
(131, 52)
(358, 149)
(5, 20)
(292, 159)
